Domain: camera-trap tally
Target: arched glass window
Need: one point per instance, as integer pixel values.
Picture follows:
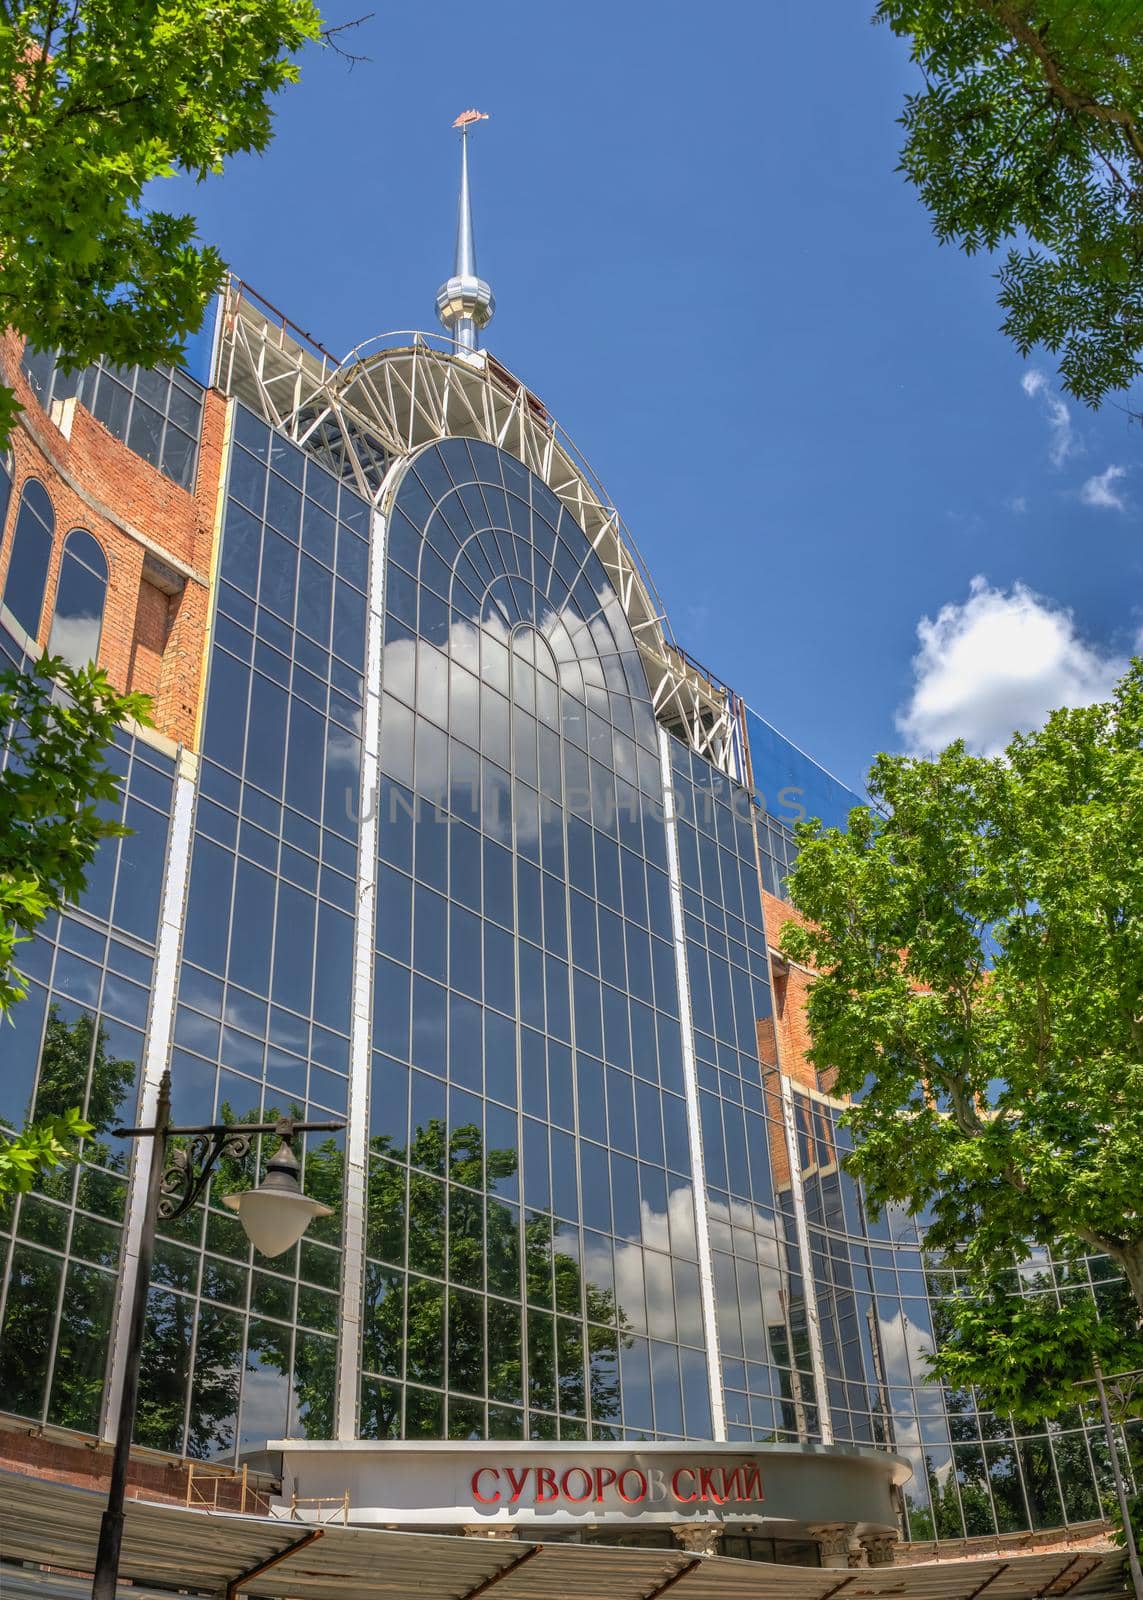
(5, 488)
(31, 551)
(78, 619)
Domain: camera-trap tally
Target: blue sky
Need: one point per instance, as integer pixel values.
(707, 267)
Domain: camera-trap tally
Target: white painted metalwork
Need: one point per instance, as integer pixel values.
(396, 393)
(356, 1200)
(690, 1086)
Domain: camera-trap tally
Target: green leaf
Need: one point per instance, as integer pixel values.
(120, 96)
(1029, 131)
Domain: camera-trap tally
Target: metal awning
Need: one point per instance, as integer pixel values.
(168, 1548)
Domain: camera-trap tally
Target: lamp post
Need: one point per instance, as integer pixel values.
(274, 1215)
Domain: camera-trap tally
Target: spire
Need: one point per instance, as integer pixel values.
(465, 303)
(464, 265)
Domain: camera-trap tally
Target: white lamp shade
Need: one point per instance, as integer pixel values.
(274, 1219)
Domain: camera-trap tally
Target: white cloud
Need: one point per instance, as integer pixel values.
(1036, 384)
(1100, 490)
(1018, 504)
(997, 663)
(477, 697)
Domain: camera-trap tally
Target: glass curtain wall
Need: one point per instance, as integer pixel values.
(532, 1253)
(879, 1298)
(241, 1349)
(767, 1368)
(77, 1040)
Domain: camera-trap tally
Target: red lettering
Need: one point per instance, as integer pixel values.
(565, 1484)
(632, 1472)
(485, 1499)
(578, 1484)
(707, 1490)
(675, 1485)
(517, 1484)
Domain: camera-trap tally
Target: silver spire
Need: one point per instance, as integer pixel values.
(465, 303)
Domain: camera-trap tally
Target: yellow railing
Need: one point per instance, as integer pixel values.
(338, 1503)
(204, 1483)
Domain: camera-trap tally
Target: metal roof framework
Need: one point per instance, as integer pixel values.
(169, 1548)
(396, 393)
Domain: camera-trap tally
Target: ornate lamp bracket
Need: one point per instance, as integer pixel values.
(191, 1166)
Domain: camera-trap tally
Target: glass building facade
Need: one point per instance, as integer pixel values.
(77, 1040)
(437, 868)
(528, 1120)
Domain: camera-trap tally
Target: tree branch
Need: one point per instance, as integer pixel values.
(1114, 170)
(44, 57)
(1043, 1029)
(328, 36)
(967, 1116)
(1077, 104)
(83, 108)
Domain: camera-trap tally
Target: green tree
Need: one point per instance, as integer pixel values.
(1029, 130)
(99, 98)
(1028, 1339)
(55, 791)
(979, 943)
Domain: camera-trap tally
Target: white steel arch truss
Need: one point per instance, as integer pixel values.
(396, 393)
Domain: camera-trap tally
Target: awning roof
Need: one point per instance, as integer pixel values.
(210, 1552)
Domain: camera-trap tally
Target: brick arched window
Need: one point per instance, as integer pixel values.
(78, 619)
(28, 563)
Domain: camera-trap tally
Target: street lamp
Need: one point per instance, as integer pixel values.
(274, 1215)
(277, 1213)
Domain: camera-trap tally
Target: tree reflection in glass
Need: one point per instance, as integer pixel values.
(462, 1339)
(255, 1379)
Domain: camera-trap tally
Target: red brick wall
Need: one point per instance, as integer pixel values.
(791, 988)
(89, 1467)
(97, 483)
(153, 616)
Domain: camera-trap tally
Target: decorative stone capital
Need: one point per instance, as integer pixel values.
(880, 1548)
(489, 1530)
(700, 1538)
(833, 1540)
